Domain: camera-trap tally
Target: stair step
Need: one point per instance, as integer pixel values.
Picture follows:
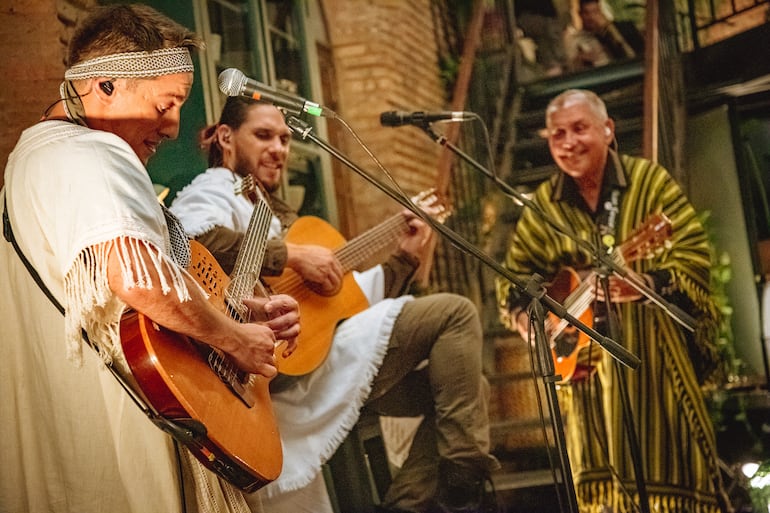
(523, 479)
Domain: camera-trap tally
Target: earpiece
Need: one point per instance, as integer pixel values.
(607, 130)
(107, 87)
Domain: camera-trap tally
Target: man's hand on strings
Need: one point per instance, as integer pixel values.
(620, 291)
(417, 236)
(282, 317)
(318, 266)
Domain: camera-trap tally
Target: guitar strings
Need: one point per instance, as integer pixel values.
(355, 252)
(250, 257)
(245, 275)
(350, 254)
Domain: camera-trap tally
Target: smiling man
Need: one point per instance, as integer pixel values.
(375, 354)
(85, 216)
(603, 197)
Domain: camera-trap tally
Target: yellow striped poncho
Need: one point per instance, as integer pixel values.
(675, 433)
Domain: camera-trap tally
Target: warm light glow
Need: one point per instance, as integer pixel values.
(749, 469)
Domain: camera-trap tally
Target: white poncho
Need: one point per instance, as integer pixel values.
(70, 438)
(316, 414)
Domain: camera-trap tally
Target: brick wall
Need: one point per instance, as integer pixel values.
(385, 58)
(32, 38)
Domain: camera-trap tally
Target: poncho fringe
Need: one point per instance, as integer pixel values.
(91, 305)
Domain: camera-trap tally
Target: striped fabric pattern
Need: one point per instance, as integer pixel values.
(675, 434)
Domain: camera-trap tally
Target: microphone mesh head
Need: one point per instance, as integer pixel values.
(231, 81)
(391, 118)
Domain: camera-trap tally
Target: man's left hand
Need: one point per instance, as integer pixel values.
(282, 313)
(417, 237)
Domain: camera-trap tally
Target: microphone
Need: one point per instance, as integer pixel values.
(233, 82)
(398, 118)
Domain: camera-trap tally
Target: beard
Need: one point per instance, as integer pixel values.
(244, 168)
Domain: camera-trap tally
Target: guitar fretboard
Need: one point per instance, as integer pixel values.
(248, 264)
(359, 249)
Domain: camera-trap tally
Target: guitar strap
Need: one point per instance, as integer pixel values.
(607, 220)
(182, 433)
(8, 234)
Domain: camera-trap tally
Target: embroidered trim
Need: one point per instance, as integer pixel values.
(165, 61)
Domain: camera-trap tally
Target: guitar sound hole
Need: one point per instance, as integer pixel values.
(566, 342)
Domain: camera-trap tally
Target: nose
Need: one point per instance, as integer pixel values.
(277, 146)
(170, 123)
(569, 139)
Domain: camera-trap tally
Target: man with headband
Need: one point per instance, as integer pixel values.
(83, 213)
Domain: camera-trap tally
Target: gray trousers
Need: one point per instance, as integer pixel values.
(450, 392)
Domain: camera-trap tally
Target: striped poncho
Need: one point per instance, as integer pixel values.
(676, 438)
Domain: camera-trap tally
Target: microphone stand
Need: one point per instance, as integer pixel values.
(537, 317)
(607, 265)
(533, 288)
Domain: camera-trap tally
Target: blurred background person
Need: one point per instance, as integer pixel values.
(602, 40)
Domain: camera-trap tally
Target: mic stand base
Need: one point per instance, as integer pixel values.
(546, 367)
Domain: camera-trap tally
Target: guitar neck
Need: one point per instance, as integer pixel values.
(358, 250)
(248, 263)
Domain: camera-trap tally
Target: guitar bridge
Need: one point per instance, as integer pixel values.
(237, 380)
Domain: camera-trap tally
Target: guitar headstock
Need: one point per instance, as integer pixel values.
(429, 202)
(649, 239)
(245, 185)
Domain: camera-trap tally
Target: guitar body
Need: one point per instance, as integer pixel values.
(576, 293)
(566, 346)
(320, 314)
(239, 442)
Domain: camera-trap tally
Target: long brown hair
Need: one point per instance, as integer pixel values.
(234, 114)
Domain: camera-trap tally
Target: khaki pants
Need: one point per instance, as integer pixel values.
(450, 392)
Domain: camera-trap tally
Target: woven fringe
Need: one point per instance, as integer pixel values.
(596, 496)
(91, 305)
(346, 424)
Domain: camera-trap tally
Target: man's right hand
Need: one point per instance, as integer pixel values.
(317, 265)
(252, 348)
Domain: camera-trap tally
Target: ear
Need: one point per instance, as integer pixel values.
(609, 130)
(103, 88)
(224, 135)
(107, 87)
(225, 138)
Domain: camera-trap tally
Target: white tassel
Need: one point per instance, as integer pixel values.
(90, 304)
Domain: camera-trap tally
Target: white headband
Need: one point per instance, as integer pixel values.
(165, 61)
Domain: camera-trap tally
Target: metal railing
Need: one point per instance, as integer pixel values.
(705, 22)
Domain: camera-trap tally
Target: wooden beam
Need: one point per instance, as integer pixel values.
(651, 82)
(460, 94)
(459, 97)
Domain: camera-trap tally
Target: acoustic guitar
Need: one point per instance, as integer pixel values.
(576, 293)
(321, 314)
(226, 413)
